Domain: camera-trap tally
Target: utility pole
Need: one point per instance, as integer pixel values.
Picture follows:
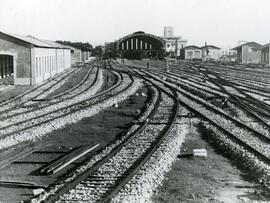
(207, 50)
(176, 47)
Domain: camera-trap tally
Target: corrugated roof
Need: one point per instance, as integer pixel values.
(30, 40)
(57, 45)
(266, 45)
(36, 42)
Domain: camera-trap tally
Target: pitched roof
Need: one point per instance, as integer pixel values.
(210, 46)
(71, 47)
(266, 45)
(192, 47)
(57, 45)
(34, 41)
(254, 44)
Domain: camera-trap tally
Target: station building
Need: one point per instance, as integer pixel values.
(173, 44)
(250, 52)
(138, 45)
(31, 60)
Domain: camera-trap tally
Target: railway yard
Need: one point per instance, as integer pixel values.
(125, 130)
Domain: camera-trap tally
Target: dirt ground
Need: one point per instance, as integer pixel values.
(73, 81)
(206, 179)
(8, 90)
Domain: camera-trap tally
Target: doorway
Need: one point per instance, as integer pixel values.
(6, 65)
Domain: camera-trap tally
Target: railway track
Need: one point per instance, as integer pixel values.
(103, 181)
(247, 78)
(65, 98)
(250, 101)
(44, 89)
(106, 175)
(110, 94)
(54, 119)
(255, 109)
(247, 137)
(247, 85)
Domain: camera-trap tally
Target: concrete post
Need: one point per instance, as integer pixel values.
(10, 65)
(5, 66)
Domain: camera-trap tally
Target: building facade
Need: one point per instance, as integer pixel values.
(86, 55)
(210, 52)
(138, 45)
(249, 52)
(192, 52)
(173, 44)
(31, 60)
(76, 54)
(265, 58)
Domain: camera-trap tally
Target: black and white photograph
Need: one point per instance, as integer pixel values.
(134, 101)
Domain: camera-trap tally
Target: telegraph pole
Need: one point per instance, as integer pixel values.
(207, 50)
(176, 47)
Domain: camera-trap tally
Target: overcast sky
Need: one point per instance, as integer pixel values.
(218, 22)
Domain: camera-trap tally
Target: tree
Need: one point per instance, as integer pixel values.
(98, 51)
(78, 45)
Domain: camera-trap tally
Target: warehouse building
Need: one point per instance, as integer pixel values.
(31, 60)
(86, 54)
(249, 52)
(76, 54)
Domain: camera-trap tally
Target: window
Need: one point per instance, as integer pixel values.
(40, 64)
(189, 54)
(45, 68)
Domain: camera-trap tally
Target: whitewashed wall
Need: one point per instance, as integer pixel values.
(48, 62)
(44, 64)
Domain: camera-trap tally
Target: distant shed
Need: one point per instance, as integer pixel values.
(249, 52)
(86, 54)
(213, 52)
(31, 60)
(76, 55)
(192, 52)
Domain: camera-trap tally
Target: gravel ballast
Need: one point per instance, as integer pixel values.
(41, 130)
(142, 186)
